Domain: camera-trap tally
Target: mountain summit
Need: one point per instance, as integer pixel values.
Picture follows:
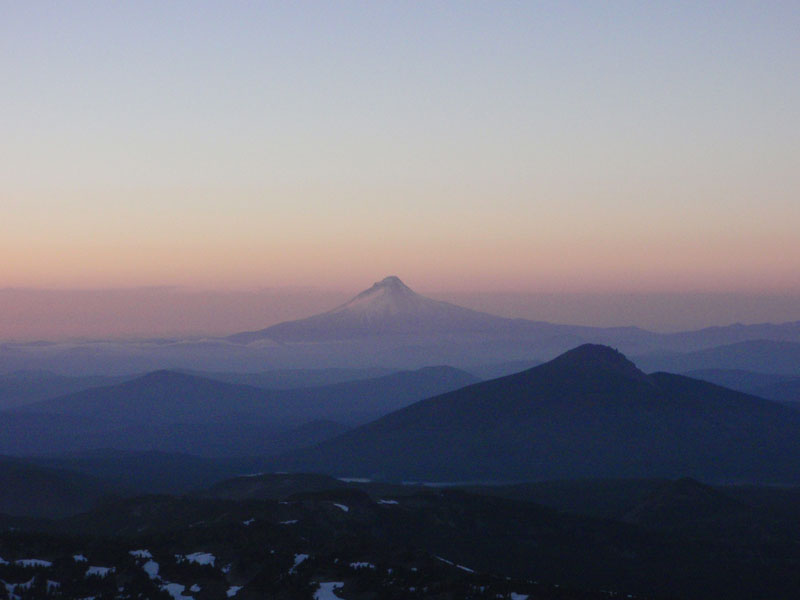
(597, 359)
(386, 298)
(389, 307)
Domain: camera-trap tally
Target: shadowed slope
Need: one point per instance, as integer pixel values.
(587, 413)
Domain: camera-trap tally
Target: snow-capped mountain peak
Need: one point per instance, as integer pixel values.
(389, 307)
(387, 297)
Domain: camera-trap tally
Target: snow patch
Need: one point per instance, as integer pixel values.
(176, 591)
(141, 553)
(99, 571)
(80, 558)
(151, 568)
(451, 563)
(342, 506)
(326, 590)
(388, 502)
(200, 558)
(298, 558)
(33, 562)
(362, 565)
(463, 568)
(233, 590)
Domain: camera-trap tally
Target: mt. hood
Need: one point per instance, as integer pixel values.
(388, 307)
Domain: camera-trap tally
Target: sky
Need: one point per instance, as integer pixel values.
(477, 149)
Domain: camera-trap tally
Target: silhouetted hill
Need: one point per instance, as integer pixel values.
(587, 413)
(27, 387)
(680, 502)
(181, 413)
(162, 397)
(33, 491)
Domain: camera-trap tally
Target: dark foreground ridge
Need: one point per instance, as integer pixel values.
(300, 536)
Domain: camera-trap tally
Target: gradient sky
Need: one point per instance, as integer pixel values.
(526, 147)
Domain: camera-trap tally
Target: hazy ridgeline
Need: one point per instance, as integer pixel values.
(597, 469)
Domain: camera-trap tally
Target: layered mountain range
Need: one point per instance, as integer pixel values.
(588, 413)
(180, 412)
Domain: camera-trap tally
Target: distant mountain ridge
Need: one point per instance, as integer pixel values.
(388, 307)
(780, 388)
(760, 355)
(178, 412)
(588, 413)
(389, 326)
(391, 307)
(390, 320)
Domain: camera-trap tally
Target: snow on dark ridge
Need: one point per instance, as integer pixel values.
(452, 564)
(151, 567)
(327, 589)
(298, 560)
(176, 591)
(33, 562)
(199, 558)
